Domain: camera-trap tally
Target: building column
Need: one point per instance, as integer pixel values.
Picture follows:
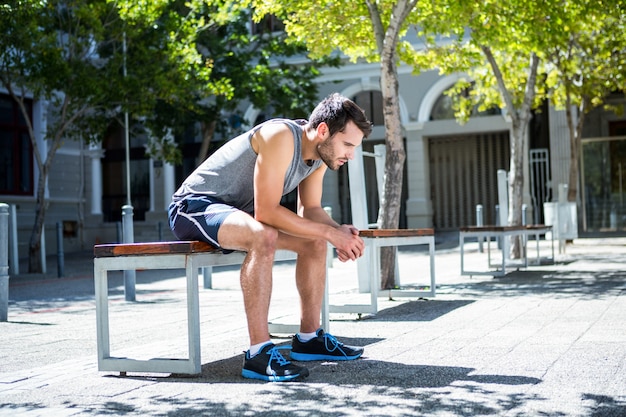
(419, 208)
(169, 181)
(559, 149)
(151, 185)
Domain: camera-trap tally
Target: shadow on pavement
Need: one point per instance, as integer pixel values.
(580, 284)
(422, 310)
(410, 388)
(306, 399)
(354, 373)
(407, 389)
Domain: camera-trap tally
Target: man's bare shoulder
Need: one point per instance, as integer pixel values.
(274, 128)
(272, 134)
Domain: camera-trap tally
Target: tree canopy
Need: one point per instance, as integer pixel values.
(585, 63)
(505, 48)
(168, 64)
(580, 48)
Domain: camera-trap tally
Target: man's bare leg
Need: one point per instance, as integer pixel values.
(311, 281)
(241, 232)
(310, 277)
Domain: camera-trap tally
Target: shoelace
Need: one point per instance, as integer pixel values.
(334, 343)
(275, 355)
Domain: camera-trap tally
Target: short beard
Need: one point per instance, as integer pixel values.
(329, 160)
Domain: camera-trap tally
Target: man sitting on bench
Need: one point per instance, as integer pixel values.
(232, 201)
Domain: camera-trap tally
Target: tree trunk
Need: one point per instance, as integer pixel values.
(391, 210)
(35, 265)
(34, 247)
(520, 116)
(516, 184)
(208, 129)
(386, 41)
(575, 132)
(394, 165)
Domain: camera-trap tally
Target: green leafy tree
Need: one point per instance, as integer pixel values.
(505, 47)
(518, 54)
(495, 44)
(95, 61)
(261, 67)
(384, 31)
(586, 57)
(70, 54)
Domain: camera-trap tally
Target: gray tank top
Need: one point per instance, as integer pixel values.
(228, 173)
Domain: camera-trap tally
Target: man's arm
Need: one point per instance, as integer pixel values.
(310, 198)
(274, 146)
(310, 207)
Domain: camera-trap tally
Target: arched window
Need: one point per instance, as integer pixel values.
(443, 109)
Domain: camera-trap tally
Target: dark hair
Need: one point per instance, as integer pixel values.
(336, 111)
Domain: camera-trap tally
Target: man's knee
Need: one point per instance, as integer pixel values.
(314, 248)
(265, 239)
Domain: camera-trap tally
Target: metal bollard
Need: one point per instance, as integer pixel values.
(129, 237)
(14, 252)
(4, 261)
(60, 254)
(498, 224)
(120, 234)
(524, 214)
(497, 215)
(479, 223)
(44, 263)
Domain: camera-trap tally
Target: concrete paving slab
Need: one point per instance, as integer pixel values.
(546, 341)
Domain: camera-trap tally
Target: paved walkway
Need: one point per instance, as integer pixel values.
(546, 341)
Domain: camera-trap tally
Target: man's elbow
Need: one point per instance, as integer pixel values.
(265, 216)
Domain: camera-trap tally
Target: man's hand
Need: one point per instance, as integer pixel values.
(348, 243)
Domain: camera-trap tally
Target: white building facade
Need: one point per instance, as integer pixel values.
(450, 168)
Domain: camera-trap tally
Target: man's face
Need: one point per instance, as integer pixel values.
(336, 150)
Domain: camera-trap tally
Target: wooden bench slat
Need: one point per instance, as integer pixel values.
(184, 247)
(395, 232)
(537, 226)
(151, 248)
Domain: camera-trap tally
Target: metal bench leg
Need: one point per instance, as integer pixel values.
(102, 310)
(106, 362)
(374, 275)
(326, 308)
(193, 315)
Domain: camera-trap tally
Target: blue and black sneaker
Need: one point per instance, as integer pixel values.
(270, 365)
(323, 347)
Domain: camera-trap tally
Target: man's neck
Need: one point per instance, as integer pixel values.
(309, 145)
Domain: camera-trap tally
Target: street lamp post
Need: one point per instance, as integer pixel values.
(127, 210)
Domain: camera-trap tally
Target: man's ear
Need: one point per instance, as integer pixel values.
(322, 131)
